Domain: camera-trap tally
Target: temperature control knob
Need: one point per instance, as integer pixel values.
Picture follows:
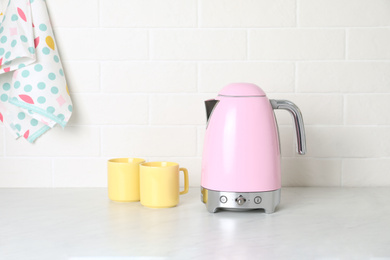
(240, 200)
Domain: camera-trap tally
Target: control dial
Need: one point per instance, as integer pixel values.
(240, 200)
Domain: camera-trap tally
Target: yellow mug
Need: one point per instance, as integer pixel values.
(159, 184)
(123, 179)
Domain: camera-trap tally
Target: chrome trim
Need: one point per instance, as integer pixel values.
(298, 120)
(248, 200)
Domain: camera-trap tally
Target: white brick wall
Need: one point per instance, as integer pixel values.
(297, 44)
(149, 13)
(138, 72)
(148, 77)
(198, 44)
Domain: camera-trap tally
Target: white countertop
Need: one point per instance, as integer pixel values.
(83, 224)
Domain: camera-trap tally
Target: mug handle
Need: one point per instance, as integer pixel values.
(186, 185)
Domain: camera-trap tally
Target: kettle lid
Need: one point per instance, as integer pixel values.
(242, 90)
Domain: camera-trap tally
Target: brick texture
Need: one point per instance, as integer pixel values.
(139, 71)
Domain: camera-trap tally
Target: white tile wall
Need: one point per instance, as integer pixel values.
(148, 77)
(102, 43)
(311, 172)
(370, 172)
(25, 172)
(81, 13)
(79, 172)
(297, 44)
(144, 141)
(343, 77)
(82, 76)
(368, 109)
(169, 109)
(274, 76)
(198, 44)
(248, 14)
(148, 13)
(335, 13)
(348, 141)
(138, 72)
(368, 44)
(133, 109)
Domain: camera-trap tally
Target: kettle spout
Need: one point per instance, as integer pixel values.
(210, 105)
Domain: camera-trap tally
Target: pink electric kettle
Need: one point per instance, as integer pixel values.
(241, 154)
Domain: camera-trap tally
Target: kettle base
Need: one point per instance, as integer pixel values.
(214, 200)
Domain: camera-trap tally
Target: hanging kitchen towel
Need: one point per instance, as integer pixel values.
(33, 92)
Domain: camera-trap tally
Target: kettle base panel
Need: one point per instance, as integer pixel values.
(214, 200)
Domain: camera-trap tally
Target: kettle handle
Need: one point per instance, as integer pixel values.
(298, 120)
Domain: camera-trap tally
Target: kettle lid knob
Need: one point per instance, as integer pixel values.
(242, 90)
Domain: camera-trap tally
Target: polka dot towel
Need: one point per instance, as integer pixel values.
(33, 92)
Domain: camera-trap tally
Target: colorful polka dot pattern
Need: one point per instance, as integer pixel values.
(33, 92)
